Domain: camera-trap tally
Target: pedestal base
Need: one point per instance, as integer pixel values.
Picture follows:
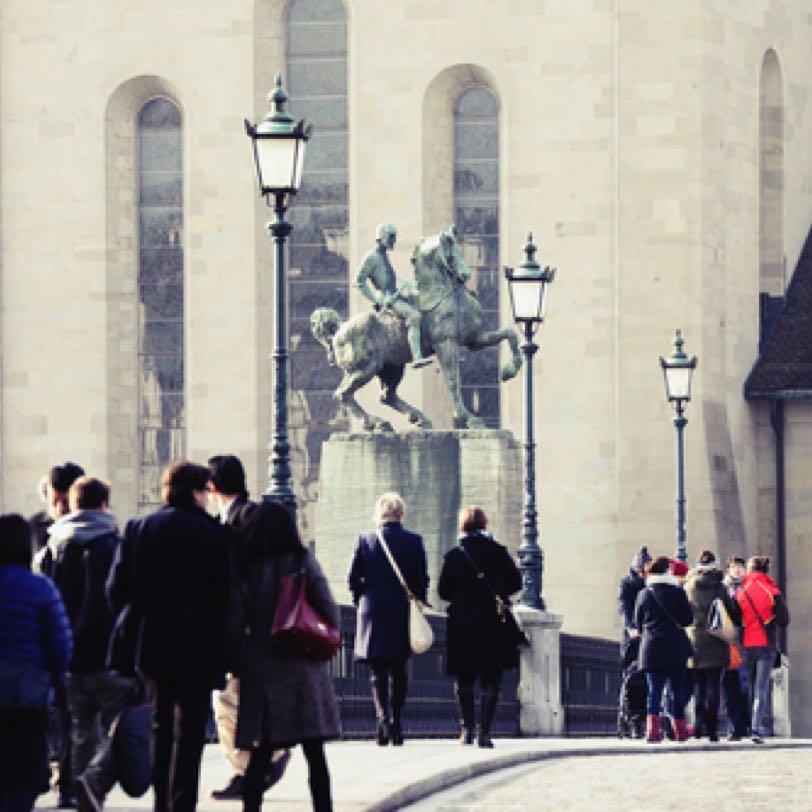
(436, 473)
(541, 712)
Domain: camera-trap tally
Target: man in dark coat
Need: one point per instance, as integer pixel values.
(230, 493)
(57, 484)
(630, 585)
(88, 538)
(173, 568)
(382, 627)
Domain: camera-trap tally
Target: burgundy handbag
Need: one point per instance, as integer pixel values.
(298, 627)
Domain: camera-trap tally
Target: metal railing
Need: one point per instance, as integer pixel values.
(431, 709)
(590, 685)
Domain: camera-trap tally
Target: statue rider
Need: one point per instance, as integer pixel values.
(377, 269)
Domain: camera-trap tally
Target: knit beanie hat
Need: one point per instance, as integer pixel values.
(678, 568)
(640, 559)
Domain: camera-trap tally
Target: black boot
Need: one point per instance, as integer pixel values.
(487, 710)
(380, 696)
(465, 700)
(398, 701)
(232, 791)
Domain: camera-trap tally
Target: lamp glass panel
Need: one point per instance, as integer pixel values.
(299, 167)
(276, 162)
(678, 382)
(527, 299)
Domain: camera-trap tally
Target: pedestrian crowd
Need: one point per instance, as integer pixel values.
(127, 637)
(700, 634)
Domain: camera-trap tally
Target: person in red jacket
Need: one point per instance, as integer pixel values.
(763, 609)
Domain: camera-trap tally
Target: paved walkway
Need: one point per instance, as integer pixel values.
(371, 778)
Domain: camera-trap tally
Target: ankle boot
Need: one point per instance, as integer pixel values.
(465, 700)
(653, 733)
(683, 730)
(487, 710)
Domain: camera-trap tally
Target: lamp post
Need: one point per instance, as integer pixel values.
(528, 288)
(279, 150)
(677, 372)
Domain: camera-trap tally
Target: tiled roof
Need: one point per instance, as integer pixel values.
(784, 368)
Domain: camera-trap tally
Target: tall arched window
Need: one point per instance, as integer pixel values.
(476, 214)
(316, 57)
(161, 412)
(771, 178)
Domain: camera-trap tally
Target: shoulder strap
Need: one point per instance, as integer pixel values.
(663, 609)
(753, 607)
(395, 567)
(481, 576)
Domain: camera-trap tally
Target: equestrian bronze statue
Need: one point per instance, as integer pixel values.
(377, 343)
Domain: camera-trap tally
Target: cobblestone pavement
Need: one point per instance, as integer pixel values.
(692, 781)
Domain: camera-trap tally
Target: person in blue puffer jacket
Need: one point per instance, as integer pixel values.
(35, 649)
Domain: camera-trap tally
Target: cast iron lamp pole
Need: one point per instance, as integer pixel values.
(528, 287)
(279, 149)
(677, 371)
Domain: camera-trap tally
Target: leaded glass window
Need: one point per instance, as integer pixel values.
(476, 214)
(161, 406)
(316, 43)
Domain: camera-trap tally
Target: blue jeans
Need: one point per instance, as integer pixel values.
(758, 661)
(734, 684)
(656, 682)
(95, 699)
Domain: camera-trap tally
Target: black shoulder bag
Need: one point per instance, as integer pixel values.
(515, 635)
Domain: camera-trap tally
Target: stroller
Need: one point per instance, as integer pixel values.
(631, 716)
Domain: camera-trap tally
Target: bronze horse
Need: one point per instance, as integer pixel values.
(371, 344)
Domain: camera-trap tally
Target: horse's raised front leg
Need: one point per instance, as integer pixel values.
(345, 394)
(483, 340)
(448, 354)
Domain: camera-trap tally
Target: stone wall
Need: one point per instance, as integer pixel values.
(630, 145)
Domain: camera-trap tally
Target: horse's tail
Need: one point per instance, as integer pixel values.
(324, 324)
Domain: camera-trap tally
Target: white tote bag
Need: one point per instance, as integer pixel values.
(421, 635)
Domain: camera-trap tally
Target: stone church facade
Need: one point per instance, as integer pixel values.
(660, 152)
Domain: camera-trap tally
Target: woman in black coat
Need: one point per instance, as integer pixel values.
(382, 626)
(477, 645)
(285, 698)
(661, 613)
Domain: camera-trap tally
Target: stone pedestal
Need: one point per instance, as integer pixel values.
(436, 473)
(540, 709)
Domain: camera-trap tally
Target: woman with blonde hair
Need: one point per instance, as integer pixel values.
(474, 574)
(382, 626)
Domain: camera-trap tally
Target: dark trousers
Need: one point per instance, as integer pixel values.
(490, 680)
(65, 757)
(389, 683)
(23, 757)
(737, 706)
(707, 682)
(656, 681)
(179, 714)
(318, 776)
(95, 699)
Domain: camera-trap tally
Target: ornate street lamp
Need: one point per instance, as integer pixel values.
(528, 294)
(279, 149)
(677, 371)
